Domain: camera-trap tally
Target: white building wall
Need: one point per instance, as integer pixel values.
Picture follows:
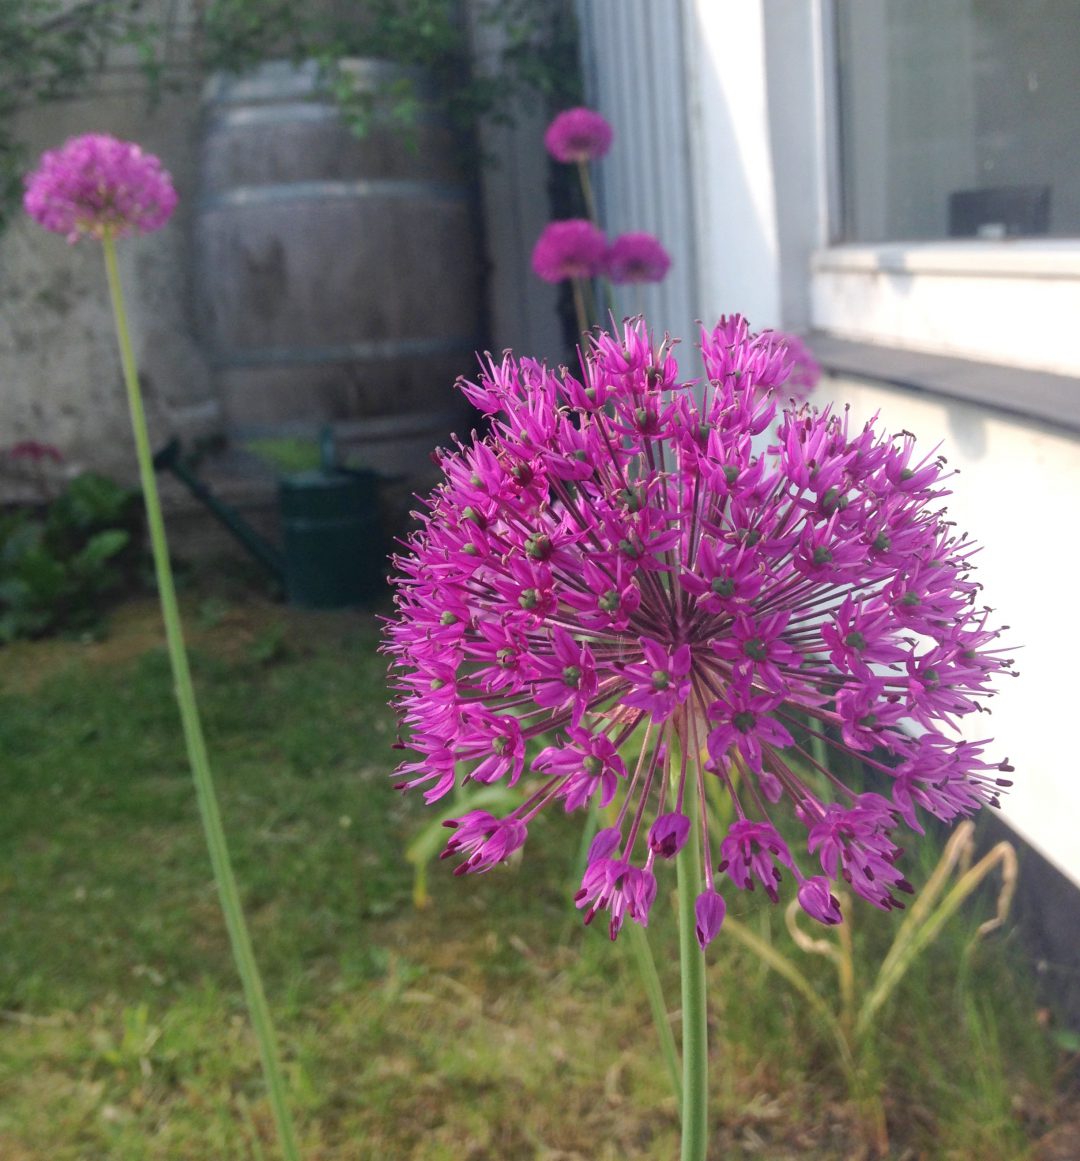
(732, 174)
(1011, 496)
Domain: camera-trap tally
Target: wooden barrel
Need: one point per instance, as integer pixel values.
(338, 278)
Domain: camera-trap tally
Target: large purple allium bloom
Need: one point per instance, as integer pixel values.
(578, 135)
(570, 249)
(98, 186)
(636, 257)
(618, 570)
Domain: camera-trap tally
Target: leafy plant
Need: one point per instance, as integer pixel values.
(51, 49)
(59, 565)
(853, 1025)
(538, 53)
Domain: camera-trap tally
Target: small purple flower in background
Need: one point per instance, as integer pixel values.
(97, 185)
(578, 135)
(578, 251)
(615, 566)
(805, 371)
(34, 451)
(636, 258)
(779, 358)
(569, 249)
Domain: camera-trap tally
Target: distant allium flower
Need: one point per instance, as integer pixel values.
(578, 135)
(805, 371)
(615, 567)
(636, 258)
(785, 362)
(97, 185)
(570, 249)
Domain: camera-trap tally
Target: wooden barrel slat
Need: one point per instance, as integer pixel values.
(338, 278)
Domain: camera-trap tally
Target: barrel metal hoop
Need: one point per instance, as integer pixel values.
(398, 188)
(273, 114)
(321, 523)
(274, 80)
(367, 350)
(306, 111)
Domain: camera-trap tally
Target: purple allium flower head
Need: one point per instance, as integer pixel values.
(578, 135)
(570, 249)
(636, 258)
(97, 185)
(620, 569)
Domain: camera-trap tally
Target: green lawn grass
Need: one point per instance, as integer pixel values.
(488, 1026)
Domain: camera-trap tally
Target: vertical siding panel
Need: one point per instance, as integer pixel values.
(522, 309)
(636, 76)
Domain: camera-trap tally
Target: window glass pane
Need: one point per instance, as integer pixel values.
(959, 118)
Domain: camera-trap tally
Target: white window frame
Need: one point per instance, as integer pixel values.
(1009, 302)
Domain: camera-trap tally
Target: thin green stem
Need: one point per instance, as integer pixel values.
(646, 965)
(587, 192)
(579, 306)
(695, 1045)
(193, 735)
(594, 217)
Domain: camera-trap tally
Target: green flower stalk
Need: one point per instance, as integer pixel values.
(106, 189)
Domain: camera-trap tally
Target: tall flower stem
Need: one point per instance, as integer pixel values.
(587, 191)
(695, 1040)
(580, 308)
(593, 215)
(193, 735)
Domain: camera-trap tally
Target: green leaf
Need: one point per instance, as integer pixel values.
(102, 546)
(1066, 1039)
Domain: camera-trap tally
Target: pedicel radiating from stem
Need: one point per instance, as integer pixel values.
(694, 906)
(103, 188)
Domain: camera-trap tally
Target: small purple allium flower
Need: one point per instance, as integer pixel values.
(636, 258)
(805, 371)
(98, 186)
(571, 249)
(618, 568)
(578, 135)
(782, 358)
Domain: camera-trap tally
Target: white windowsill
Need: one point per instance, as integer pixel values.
(1013, 303)
(975, 257)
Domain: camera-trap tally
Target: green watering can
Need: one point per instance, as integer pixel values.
(333, 552)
